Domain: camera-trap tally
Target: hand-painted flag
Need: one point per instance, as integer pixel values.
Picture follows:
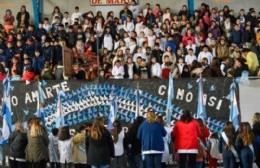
(169, 99)
(201, 107)
(6, 110)
(113, 111)
(40, 104)
(59, 114)
(234, 111)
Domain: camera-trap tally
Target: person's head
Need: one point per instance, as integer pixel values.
(55, 131)
(36, 129)
(229, 130)
(82, 129)
(129, 60)
(150, 116)
(97, 129)
(205, 48)
(236, 27)
(19, 127)
(160, 120)
(153, 60)
(214, 135)
(204, 61)
(9, 45)
(8, 12)
(56, 9)
(210, 35)
(37, 53)
(125, 5)
(64, 133)
(186, 116)
(117, 127)
(66, 14)
(76, 9)
(147, 5)
(201, 124)
(246, 133)
(23, 8)
(15, 60)
(256, 118)
(190, 51)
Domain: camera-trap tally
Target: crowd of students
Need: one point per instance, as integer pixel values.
(142, 42)
(146, 143)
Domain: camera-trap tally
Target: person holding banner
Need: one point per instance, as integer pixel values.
(37, 152)
(185, 136)
(65, 147)
(244, 144)
(99, 145)
(53, 148)
(202, 143)
(226, 146)
(17, 144)
(151, 134)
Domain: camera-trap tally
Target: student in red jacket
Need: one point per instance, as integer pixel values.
(185, 135)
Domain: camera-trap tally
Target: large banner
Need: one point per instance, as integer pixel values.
(108, 2)
(85, 101)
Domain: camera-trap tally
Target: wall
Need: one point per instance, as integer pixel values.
(249, 100)
(236, 5)
(68, 5)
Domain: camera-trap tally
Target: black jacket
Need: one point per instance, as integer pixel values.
(19, 18)
(132, 140)
(126, 76)
(17, 144)
(100, 151)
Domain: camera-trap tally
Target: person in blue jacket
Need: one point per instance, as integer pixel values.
(151, 134)
(37, 63)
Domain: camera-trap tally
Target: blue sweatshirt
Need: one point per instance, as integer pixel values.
(151, 136)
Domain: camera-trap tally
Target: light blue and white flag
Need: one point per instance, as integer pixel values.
(169, 99)
(113, 110)
(59, 114)
(234, 111)
(6, 110)
(201, 106)
(40, 104)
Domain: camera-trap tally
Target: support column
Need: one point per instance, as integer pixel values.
(191, 6)
(37, 10)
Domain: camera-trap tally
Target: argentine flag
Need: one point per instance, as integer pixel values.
(234, 111)
(6, 110)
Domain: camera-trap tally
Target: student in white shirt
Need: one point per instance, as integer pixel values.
(139, 53)
(205, 54)
(167, 14)
(191, 45)
(180, 64)
(107, 39)
(145, 10)
(46, 25)
(134, 8)
(118, 70)
(76, 14)
(118, 138)
(66, 18)
(190, 57)
(138, 25)
(151, 39)
(65, 147)
(156, 70)
(129, 25)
